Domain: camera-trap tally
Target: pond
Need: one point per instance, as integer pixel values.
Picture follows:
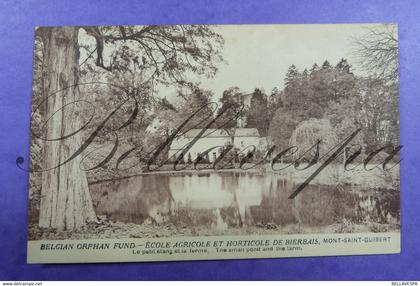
(224, 200)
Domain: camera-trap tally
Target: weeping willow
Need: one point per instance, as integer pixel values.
(308, 133)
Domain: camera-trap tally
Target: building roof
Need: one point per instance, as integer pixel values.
(244, 94)
(246, 132)
(182, 141)
(211, 132)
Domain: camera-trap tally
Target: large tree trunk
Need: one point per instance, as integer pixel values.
(66, 203)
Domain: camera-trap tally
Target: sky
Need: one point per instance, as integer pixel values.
(258, 56)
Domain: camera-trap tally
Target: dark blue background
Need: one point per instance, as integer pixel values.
(17, 22)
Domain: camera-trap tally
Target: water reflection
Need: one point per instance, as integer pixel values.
(237, 199)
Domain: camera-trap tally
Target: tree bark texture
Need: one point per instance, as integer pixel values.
(66, 203)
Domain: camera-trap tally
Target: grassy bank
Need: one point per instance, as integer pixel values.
(105, 228)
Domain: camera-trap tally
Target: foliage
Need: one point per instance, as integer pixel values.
(231, 108)
(126, 60)
(282, 125)
(197, 106)
(165, 54)
(308, 95)
(346, 117)
(310, 133)
(257, 115)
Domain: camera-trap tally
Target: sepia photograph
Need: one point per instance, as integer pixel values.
(214, 130)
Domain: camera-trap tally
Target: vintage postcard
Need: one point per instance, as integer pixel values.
(194, 142)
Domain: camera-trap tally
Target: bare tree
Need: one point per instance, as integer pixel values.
(377, 51)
